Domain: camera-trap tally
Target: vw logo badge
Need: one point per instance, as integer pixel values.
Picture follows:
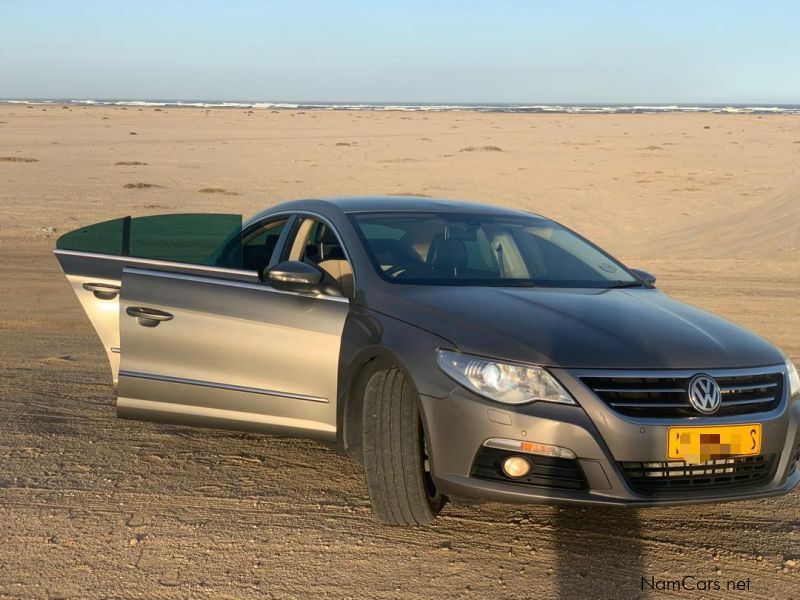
(704, 394)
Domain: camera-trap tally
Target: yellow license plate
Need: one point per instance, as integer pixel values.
(700, 444)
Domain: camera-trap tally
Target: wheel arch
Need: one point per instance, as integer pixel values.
(373, 342)
(351, 401)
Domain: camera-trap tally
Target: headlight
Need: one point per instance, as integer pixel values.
(503, 382)
(794, 379)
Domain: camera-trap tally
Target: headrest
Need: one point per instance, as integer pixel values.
(325, 235)
(446, 253)
(458, 232)
(334, 253)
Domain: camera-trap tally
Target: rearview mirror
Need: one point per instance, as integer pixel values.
(295, 276)
(648, 278)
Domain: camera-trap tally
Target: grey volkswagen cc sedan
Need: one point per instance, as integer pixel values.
(456, 350)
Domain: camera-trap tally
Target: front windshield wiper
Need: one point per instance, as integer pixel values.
(526, 283)
(614, 285)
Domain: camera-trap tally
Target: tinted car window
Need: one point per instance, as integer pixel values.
(480, 249)
(258, 246)
(184, 238)
(251, 249)
(100, 238)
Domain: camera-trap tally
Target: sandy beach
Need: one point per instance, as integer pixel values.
(92, 505)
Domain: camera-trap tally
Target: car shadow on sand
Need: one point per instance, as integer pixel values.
(599, 552)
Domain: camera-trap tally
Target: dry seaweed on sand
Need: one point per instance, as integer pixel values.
(141, 186)
(481, 149)
(23, 159)
(216, 190)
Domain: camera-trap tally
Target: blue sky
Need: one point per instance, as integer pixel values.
(348, 50)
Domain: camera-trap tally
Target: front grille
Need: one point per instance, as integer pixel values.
(560, 473)
(675, 477)
(667, 397)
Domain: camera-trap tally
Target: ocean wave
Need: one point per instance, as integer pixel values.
(432, 107)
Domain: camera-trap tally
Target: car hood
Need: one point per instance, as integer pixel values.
(580, 328)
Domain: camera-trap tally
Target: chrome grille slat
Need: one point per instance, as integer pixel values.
(743, 388)
(648, 404)
(760, 400)
(664, 395)
(641, 390)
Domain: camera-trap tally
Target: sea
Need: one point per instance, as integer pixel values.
(432, 107)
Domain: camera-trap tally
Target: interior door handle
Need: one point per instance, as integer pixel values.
(102, 291)
(148, 317)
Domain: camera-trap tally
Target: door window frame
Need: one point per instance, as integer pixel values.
(229, 274)
(253, 227)
(291, 230)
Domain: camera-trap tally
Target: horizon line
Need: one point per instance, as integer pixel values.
(665, 103)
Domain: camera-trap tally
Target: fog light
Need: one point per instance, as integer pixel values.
(517, 466)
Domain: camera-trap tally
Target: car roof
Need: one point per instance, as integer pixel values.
(356, 204)
(350, 204)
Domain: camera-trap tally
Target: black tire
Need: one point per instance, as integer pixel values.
(400, 487)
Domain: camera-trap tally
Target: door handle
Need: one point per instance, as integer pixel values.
(102, 291)
(148, 317)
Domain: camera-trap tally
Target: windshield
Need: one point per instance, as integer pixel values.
(484, 250)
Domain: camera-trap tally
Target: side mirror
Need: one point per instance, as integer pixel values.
(295, 276)
(648, 278)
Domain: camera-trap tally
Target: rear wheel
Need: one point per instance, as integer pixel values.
(400, 486)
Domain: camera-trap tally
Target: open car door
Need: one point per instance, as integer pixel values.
(94, 257)
(193, 335)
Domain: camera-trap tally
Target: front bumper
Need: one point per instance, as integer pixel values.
(457, 427)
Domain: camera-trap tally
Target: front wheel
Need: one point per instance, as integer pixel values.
(395, 459)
